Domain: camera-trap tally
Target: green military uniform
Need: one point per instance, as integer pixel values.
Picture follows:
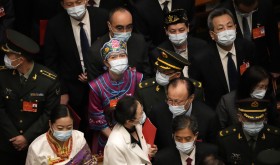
(25, 103)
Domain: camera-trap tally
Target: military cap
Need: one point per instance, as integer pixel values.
(269, 157)
(171, 60)
(113, 46)
(252, 109)
(176, 16)
(19, 44)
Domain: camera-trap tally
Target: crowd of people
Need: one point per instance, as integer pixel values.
(108, 67)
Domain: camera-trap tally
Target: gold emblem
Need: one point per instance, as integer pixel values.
(164, 55)
(157, 88)
(255, 104)
(34, 77)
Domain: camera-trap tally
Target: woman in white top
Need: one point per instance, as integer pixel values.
(126, 144)
(61, 144)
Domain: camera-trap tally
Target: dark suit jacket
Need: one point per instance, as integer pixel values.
(267, 48)
(207, 68)
(161, 117)
(111, 4)
(234, 148)
(171, 154)
(61, 52)
(137, 51)
(148, 17)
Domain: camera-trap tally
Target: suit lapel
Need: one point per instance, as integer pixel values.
(31, 81)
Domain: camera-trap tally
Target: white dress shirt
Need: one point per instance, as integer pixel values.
(97, 3)
(224, 59)
(76, 31)
(184, 157)
(169, 5)
(185, 55)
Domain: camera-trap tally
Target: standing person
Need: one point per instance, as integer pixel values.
(30, 92)
(241, 143)
(219, 67)
(60, 144)
(187, 151)
(7, 18)
(108, 88)
(126, 144)
(68, 37)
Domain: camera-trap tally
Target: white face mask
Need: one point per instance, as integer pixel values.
(185, 147)
(226, 37)
(258, 93)
(143, 118)
(177, 110)
(8, 62)
(118, 66)
(77, 12)
(178, 39)
(124, 36)
(162, 79)
(253, 128)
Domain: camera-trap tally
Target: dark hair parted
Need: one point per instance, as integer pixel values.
(188, 83)
(59, 112)
(126, 109)
(249, 80)
(245, 2)
(216, 13)
(183, 121)
(114, 10)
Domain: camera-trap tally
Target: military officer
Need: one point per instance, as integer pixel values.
(29, 92)
(241, 143)
(169, 66)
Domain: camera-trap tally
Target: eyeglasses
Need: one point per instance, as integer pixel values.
(121, 28)
(76, 3)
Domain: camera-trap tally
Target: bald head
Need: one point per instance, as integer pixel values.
(120, 20)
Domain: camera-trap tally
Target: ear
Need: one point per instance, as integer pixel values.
(106, 63)
(177, 75)
(109, 25)
(50, 124)
(188, 28)
(192, 97)
(239, 117)
(166, 31)
(212, 35)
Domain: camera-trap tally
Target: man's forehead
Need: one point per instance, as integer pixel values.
(222, 20)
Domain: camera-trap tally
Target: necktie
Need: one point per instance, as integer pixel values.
(189, 161)
(84, 43)
(22, 80)
(165, 7)
(251, 143)
(232, 72)
(246, 29)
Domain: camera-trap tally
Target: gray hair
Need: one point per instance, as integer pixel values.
(183, 121)
(216, 13)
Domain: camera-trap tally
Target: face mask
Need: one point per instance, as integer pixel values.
(226, 37)
(162, 79)
(76, 12)
(185, 147)
(8, 62)
(122, 36)
(62, 135)
(178, 39)
(253, 128)
(143, 118)
(258, 93)
(119, 66)
(177, 110)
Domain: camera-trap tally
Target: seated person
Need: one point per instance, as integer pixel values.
(126, 143)
(108, 88)
(253, 83)
(187, 150)
(241, 143)
(61, 144)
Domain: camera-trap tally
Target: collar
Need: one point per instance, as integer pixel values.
(185, 156)
(223, 53)
(27, 74)
(162, 1)
(189, 112)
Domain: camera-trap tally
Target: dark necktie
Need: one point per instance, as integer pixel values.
(165, 7)
(246, 29)
(22, 81)
(189, 161)
(251, 143)
(84, 43)
(232, 72)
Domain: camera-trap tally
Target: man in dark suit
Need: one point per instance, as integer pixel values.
(187, 149)
(120, 26)
(148, 17)
(219, 67)
(241, 143)
(68, 36)
(106, 4)
(256, 22)
(180, 101)
(29, 93)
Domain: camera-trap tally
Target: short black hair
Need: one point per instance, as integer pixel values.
(189, 85)
(126, 109)
(216, 13)
(245, 2)
(211, 159)
(59, 112)
(114, 10)
(183, 121)
(248, 81)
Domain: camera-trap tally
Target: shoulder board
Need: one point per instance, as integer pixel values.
(147, 83)
(3, 67)
(272, 130)
(196, 83)
(48, 74)
(227, 131)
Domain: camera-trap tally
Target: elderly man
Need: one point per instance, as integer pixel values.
(29, 93)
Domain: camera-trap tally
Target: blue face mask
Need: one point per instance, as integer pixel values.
(124, 36)
(62, 135)
(253, 128)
